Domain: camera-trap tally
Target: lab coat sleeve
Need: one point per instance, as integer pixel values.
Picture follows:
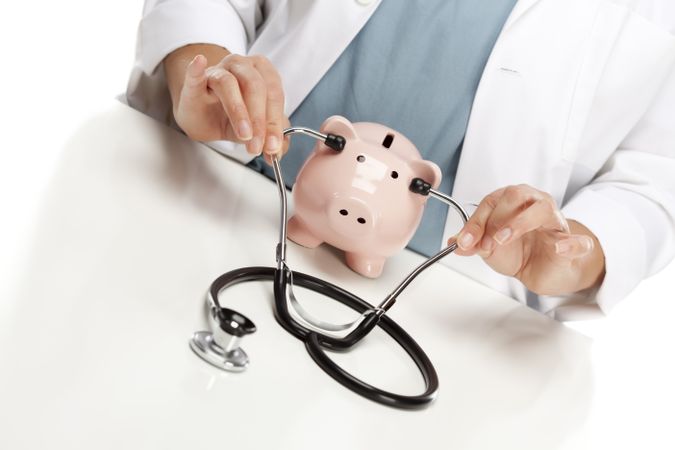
(167, 25)
(630, 205)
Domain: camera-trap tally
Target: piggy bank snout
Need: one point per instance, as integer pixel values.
(351, 217)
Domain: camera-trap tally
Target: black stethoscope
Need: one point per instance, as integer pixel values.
(220, 346)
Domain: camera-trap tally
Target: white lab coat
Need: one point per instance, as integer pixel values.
(577, 99)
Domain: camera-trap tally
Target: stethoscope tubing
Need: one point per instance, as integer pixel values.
(362, 325)
(317, 344)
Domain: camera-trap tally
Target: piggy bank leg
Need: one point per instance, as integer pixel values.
(367, 265)
(300, 234)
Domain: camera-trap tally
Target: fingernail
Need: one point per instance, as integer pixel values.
(465, 241)
(198, 60)
(256, 145)
(487, 244)
(272, 144)
(503, 235)
(244, 130)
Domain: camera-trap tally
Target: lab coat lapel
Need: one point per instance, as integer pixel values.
(520, 8)
(305, 53)
(330, 25)
(483, 165)
(478, 157)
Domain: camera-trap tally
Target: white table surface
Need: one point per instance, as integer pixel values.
(138, 222)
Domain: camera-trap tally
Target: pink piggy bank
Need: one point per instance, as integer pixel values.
(358, 199)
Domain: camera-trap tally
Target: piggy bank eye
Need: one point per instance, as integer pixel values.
(394, 174)
(360, 158)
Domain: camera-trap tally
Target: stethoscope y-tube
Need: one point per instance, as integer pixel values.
(317, 335)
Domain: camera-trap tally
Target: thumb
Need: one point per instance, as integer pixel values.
(575, 246)
(195, 77)
(458, 250)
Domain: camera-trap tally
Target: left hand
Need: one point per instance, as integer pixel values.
(519, 232)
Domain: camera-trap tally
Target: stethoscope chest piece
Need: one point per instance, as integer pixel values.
(220, 347)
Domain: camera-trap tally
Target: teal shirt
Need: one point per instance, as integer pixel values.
(415, 67)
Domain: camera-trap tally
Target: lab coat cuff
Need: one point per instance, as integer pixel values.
(231, 149)
(622, 241)
(170, 25)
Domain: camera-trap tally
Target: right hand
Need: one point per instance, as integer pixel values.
(239, 99)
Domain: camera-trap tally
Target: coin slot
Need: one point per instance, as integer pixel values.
(388, 140)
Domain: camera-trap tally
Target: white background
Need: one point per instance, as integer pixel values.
(64, 60)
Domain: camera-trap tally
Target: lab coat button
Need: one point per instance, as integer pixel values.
(364, 2)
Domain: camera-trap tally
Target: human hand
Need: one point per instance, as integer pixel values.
(238, 99)
(519, 232)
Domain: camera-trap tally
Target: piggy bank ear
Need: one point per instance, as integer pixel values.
(426, 170)
(340, 126)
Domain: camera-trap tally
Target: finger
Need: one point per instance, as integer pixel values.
(515, 200)
(284, 146)
(195, 84)
(575, 246)
(274, 106)
(287, 139)
(254, 91)
(542, 214)
(458, 250)
(472, 232)
(226, 87)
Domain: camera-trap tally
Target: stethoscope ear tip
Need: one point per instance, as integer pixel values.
(336, 142)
